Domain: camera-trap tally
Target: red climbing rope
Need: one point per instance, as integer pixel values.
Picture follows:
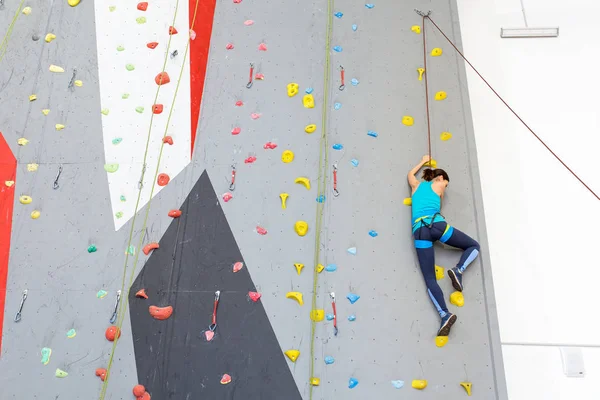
(505, 103)
(426, 92)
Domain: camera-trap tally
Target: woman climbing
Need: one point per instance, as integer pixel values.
(430, 226)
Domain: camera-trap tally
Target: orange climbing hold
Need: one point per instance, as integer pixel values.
(172, 30)
(157, 108)
(101, 372)
(175, 213)
(139, 390)
(143, 6)
(160, 313)
(112, 333)
(149, 247)
(162, 79)
(145, 396)
(141, 294)
(163, 179)
(152, 45)
(168, 139)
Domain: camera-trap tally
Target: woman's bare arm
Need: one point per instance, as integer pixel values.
(412, 179)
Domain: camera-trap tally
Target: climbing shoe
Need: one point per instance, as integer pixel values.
(456, 278)
(447, 323)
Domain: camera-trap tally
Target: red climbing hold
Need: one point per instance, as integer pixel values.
(259, 77)
(160, 313)
(163, 179)
(145, 396)
(175, 213)
(152, 45)
(143, 6)
(261, 231)
(237, 1)
(168, 139)
(139, 390)
(101, 372)
(238, 266)
(254, 296)
(229, 46)
(172, 30)
(149, 247)
(269, 146)
(236, 131)
(225, 379)
(262, 47)
(157, 108)
(112, 332)
(162, 79)
(250, 160)
(239, 103)
(141, 294)
(227, 196)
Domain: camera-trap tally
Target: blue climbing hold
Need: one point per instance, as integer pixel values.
(353, 298)
(372, 134)
(373, 233)
(331, 268)
(337, 146)
(351, 317)
(337, 106)
(309, 90)
(329, 317)
(398, 384)
(354, 82)
(352, 250)
(338, 14)
(354, 27)
(329, 360)
(369, 6)
(352, 383)
(321, 199)
(354, 162)
(337, 48)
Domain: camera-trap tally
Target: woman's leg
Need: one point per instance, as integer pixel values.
(455, 238)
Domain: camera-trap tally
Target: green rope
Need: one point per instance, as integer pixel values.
(4, 44)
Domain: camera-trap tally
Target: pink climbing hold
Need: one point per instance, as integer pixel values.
(236, 131)
(249, 160)
(238, 266)
(254, 296)
(229, 46)
(261, 231)
(248, 22)
(262, 47)
(209, 335)
(227, 196)
(172, 30)
(255, 115)
(192, 34)
(237, 1)
(239, 103)
(269, 146)
(259, 77)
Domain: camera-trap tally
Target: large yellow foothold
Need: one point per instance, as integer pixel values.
(445, 136)
(416, 29)
(320, 268)
(431, 163)
(407, 201)
(35, 214)
(440, 341)
(419, 384)
(468, 386)
(408, 120)
(308, 100)
(25, 199)
(296, 296)
(32, 167)
(26, 10)
(457, 299)
(33, 97)
(59, 127)
(292, 89)
(45, 111)
(287, 156)
(73, 3)
(299, 267)
(439, 272)
(317, 315)
(440, 96)
(301, 227)
(310, 128)
(78, 83)
(10, 183)
(315, 381)
(49, 37)
(293, 354)
(304, 181)
(436, 52)
(283, 197)
(22, 141)
(56, 68)
(421, 71)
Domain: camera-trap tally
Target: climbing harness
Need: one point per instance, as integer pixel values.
(213, 325)
(18, 314)
(72, 81)
(335, 328)
(249, 84)
(113, 318)
(232, 185)
(423, 222)
(335, 191)
(55, 185)
(343, 85)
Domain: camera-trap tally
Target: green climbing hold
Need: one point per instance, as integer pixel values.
(60, 373)
(111, 167)
(117, 140)
(141, 20)
(101, 294)
(71, 334)
(130, 67)
(119, 214)
(120, 48)
(112, 8)
(131, 250)
(125, 96)
(139, 109)
(122, 198)
(92, 249)
(46, 353)
(104, 111)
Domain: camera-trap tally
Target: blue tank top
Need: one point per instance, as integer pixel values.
(425, 203)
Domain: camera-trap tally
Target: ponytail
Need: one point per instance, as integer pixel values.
(430, 174)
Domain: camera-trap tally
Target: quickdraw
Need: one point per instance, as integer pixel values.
(213, 325)
(55, 185)
(113, 317)
(343, 85)
(23, 298)
(335, 191)
(232, 185)
(72, 81)
(249, 84)
(335, 328)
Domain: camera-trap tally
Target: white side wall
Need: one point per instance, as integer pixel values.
(541, 221)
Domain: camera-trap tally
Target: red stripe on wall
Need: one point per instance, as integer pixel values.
(8, 172)
(199, 56)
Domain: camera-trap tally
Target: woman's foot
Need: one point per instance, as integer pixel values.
(447, 323)
(456, 278)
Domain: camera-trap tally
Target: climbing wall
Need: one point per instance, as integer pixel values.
(113, 192)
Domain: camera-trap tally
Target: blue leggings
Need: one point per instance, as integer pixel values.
(425, 236)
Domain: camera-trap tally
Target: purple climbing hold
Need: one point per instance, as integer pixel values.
(352, 297)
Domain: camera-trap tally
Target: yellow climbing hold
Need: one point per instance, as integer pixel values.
(60, 373)
(440, 96)
(416, 29)
(9, 183)
(419, 384)
(50, 37)
(308, 100)
(78, 83)
(287, 156)
(301, 227)
(45, 111)
(440, 341)
(56, 68)
(25, 199)
(407, 201)
(32, 167)
(431, 163)
(468, 386)
(439, 272)
(299, 267)
(292, 89)
(317, 315)
(35, 214)
(73, 3)
(407, 120)
(320, 268)
(304, 181)
(59, 127)
(436, 52)
(296, 296)
(26, 10)
(457, 299)
(315, 381)
(283, 197)
(445, 136)
(293, 354)
(104, 111)
(33, 97)
(22, 141)
(310, 128)
(421, 71)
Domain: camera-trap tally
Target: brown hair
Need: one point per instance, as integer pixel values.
(430, 174)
